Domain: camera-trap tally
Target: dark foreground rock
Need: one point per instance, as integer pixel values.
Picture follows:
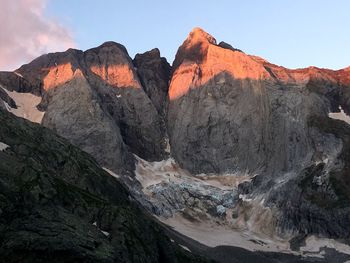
(58, 205)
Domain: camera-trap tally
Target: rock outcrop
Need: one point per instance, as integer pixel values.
(154, 73)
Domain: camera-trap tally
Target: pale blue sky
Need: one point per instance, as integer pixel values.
(292, 33)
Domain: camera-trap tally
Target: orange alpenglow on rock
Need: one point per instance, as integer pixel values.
(58, 75)
(111, 62)
(117, 75)
(200, 60)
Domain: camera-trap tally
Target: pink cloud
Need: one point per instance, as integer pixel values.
(26, 32)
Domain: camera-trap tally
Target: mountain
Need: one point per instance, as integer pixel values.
(229, 111)
(220, 137)
(99, 91)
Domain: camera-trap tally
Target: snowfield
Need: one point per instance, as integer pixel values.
(340, 115)
(26, 106)
(3, 146)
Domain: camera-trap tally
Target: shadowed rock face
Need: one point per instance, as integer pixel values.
(4, 97)
(14, 81)
(154, 73)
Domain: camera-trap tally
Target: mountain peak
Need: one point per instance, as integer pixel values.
(195, 47)
(109, 45)
(199, 35)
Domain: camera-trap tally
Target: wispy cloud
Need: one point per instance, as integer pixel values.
(26, 32)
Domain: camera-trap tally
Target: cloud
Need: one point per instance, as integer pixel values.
(26, 32)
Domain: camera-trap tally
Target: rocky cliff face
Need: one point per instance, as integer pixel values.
(95, 99)
(224, 113)
(234, 113)
(228, 112)
(154, 73)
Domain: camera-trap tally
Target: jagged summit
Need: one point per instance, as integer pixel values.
(199, 61)
(199, 35)
(151, 54)
(194, 48)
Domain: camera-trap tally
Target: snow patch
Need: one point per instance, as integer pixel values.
(244, 198)
(152, 173)
(26, 106)
(185, 248)
(167, 147)
(111, 173)
(340, 115)
(103, 232)
(212, 235)
(18, 74)
(314, 245)
(8, 108)
(3, 146)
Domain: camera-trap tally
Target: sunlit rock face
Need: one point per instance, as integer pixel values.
(51, 70)
(201, 58)
(112, 63)
(228, 113)
(234, 113)
(57, 76)
(95, 99)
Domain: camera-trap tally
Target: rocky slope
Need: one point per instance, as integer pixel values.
(259, 138)
(58, 205)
